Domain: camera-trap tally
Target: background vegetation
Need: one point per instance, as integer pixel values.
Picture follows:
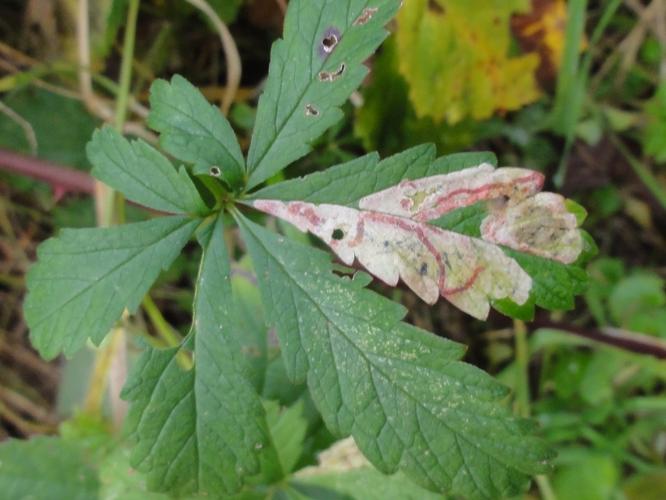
(575, 89)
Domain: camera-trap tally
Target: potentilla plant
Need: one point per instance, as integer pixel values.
(454, 228)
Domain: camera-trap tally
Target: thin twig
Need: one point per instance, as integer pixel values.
(16, 55)
(61, 178)
(24, 405)
(234, 68)
(624, 339)
(25, 427)
(24, 124)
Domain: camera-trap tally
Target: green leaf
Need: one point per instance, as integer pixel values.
(194, 131)
(554, 285)
(347, 183)
(400, 391)
(586, 475)
(142, 174)
(365, 483)
(119, 480)
(633, 296)
(314, 68)
(251, 320)
(288, 429)
(199, 429)
(85, 278)
(46, 467)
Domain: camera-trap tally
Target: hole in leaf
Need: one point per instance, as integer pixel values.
(310, 110)
(338, 234)
(424, 269)
(365, 16)
(329, 41)
(215, 171)
(331, 76)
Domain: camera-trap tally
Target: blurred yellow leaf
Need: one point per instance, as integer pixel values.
(455, 56)
(542, 30)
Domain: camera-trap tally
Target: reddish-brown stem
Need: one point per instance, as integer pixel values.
(623, 339)
(60, 178)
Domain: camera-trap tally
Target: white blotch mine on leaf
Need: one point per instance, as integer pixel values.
(389, 236)
(466, 271)
(540, 225)
(431, 197)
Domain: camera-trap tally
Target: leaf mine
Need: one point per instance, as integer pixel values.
(468, 272)
(310, 110)
(540, 225)
(431, 197)
(365, 16)
(331, 76)
(520, 216)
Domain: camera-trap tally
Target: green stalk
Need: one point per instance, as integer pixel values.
(126, 65)
(572, 81)
(522, 403)
(522, 388)
(111, 210)
(164, 330)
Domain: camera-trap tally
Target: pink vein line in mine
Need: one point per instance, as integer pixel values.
(410, 226)
(441, 206)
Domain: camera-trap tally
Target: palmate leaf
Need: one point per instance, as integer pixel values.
(142, 174)
(85, 278)
(200, 429)
(313, 70)
(399, 391)
(195, 131)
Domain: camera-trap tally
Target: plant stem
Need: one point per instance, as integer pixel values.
(522, 387)
(572, 81)
(164, 330)
(122, 101)
(110, 363)
(522, 403)
(545, 488)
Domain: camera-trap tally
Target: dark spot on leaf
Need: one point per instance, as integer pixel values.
(329, 41)
(365, 16)
(338, 234)
(436, 7)
(424, 269)
(331, 76)
(215, 171)
(310, 110)
(386, 243)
